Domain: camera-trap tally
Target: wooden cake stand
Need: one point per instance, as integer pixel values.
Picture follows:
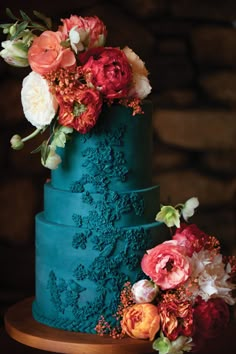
(21, 326)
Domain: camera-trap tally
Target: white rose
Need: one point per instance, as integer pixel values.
(39, 105)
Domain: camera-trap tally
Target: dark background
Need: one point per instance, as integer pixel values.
(189, 47)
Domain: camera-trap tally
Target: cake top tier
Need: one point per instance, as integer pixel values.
(73, 76)
(115, 155)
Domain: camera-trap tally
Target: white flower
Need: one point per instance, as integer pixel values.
(140, 85)
(15, 53)
(180, 345)
(53, 159)
(39, 105)
(210, 277)
(77, 37)
(169, 215)
(188, 208)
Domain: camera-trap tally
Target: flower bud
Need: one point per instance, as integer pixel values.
(52, 161)
(144, 291)
(12, 30)
(16, 142)
(15, 53)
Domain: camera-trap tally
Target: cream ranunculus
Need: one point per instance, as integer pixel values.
(39, 105)
(140, 85)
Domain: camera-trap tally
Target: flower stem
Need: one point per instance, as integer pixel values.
(32, 135)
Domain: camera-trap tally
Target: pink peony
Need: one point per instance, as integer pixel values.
(91, 29)
(108, 70)
(46, 53)
(166, 265)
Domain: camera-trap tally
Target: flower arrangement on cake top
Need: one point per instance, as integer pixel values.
(185, 298)
(72, 75)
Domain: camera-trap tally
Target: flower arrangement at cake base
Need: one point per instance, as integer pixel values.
(186, 298)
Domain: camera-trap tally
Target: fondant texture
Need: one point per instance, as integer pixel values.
(98, 221)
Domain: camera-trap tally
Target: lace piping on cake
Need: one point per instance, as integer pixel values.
(104, 161)
(109, 270)
(118, 252)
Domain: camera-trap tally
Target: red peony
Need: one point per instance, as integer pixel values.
(176, 317)
(108, 70)
(166, 265)
(191, 238)
(81, 113)
(210, 317)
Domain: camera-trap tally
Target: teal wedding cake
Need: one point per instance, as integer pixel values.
(100, 204)
(98, 221)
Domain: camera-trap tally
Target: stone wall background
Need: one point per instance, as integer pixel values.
(189, 47)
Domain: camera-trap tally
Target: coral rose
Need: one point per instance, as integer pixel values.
(141, 321)
(166, 265)
(46, 53)
(108, 70)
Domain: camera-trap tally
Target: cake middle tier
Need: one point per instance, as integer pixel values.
(87, 209)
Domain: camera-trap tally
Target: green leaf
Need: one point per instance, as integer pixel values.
(45, 149)
(38, 149)
(38, 27)
(44, 18)
(20, 28)
(5, 25)
(24, 16)
(10, 14)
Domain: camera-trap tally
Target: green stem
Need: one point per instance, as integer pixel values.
(32, 135)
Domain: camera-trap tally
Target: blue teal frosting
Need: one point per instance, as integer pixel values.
(98, 220)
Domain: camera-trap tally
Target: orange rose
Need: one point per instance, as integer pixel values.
(46, 53)
(141, 321)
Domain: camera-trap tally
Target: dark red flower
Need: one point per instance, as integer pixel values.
(191, 238)
(210, 317)
(108, 70)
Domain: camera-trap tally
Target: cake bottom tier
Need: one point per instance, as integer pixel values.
(80, 273)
